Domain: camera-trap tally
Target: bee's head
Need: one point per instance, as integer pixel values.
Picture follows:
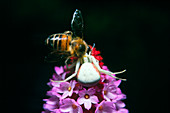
(79, 47)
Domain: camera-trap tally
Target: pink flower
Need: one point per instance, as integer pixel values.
(59, 75)
(120, 107)
(87, 97)
(66, 88)
(105, 107)
(109, 92)
(112, 92)
(69, 97)
(52, 104)
(71, 106)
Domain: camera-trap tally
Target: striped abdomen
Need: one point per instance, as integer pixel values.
(59, 42)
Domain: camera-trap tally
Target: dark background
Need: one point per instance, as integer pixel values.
(130, 35)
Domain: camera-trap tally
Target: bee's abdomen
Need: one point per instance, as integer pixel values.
(59, 42)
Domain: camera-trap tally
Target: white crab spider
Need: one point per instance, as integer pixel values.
(88, 73)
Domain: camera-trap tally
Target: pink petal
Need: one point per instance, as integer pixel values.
(72, 84)
(63, 76)
(66, 108)
(77, 110)
(55, 84)
(117, 83)
(120, 104)
(123, 111)
(57, 111)
(105, 97)
(105, 68)
(80, 110)
(67, 105)
(121, 96)
(49, 107)
(94, 99)
(118, 90)
(111, 95)
(58, 70)
(51, 102)
(70, 93)
(65, 94)
(91, 91)
(64, 86)
(81, 100)
(82, 93)
(74, 111)
(98, 111)
(87, 104)
(97, 108)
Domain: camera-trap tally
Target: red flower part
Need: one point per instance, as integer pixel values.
(101, 64)
(96, 52)
(99, 58)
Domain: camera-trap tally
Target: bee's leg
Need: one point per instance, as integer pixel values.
(104, 71)
(66, 61)
(92, 48)
(72, 65)
(73, 75)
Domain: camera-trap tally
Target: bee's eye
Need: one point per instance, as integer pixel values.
(82, 48)
(74, 44)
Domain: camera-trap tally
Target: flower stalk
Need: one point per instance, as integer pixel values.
(72, 97)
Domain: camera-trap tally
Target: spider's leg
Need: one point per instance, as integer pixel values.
(111, 73)
(104, 71)
(73, 75)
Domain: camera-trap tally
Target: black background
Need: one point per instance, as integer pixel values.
(130, 35)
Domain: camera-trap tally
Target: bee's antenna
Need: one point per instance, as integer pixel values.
(92, 48)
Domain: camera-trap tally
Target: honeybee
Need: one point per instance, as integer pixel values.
(87, 69)
(69, 43)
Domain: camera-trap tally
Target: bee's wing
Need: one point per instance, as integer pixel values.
(56, 56)
(77, 24)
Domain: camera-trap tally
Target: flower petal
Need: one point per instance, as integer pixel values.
(81, 100)
(105, 97)
(82, 93)
(70, 93)
(121, 96)
(74, 110)
(111, 95)
(105, 68)
(91, 91)
(67, 105)
(55, 84)
(120, 104)
(117, 83)
(64, 108)
(80, 110)
(87, 104)
(49, 107)
(65, 94)
(94, 99)
(97, 108)
(118, 91)
(123, 110)
(63, 87)
(72, 84)
(63, 76)
(58, 70)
